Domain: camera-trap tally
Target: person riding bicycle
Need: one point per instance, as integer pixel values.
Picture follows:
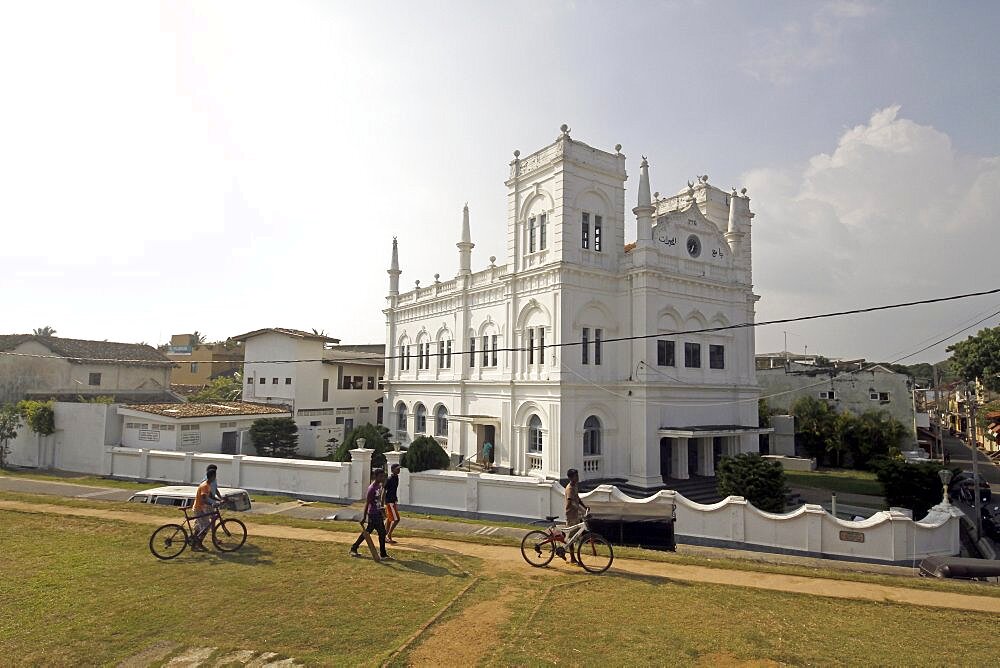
(205, 500)
(575, 508)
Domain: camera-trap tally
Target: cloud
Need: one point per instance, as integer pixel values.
(784, 54)
(894, 213)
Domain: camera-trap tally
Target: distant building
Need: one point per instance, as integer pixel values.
(43, 367)
(200, 363)
(194, 427)
(329, 389)
(846, 386)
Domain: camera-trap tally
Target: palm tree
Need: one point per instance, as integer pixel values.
(199, 338)
(45, 331)
(319, 332)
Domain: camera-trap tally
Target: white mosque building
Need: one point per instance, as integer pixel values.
(579, 351)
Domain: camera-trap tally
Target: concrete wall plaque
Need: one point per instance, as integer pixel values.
(852, 536)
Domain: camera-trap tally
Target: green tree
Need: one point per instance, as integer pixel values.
(275, 437)
(978, 357)
(764, 413)
(814, 424)
(760, 481)
(38, 415)
(10, 420)
(223, 388)
(425, 454)
(878, 435)
(376, 438)
(44, 331)
(198, 337)
(914, 486)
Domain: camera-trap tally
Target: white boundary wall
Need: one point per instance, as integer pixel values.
(887, 536)
(82, 432)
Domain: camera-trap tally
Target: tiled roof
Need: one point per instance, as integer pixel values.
(629, 247)
(297, 333)
(124, 397)
(81, 351)
(216, 409)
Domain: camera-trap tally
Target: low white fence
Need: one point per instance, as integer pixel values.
(887, 536)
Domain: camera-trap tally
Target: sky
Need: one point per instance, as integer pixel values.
(224, 167)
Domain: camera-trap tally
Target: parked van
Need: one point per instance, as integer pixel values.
(182, 496)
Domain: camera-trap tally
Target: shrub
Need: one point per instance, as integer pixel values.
(275, 437)
(376, 438)
(760, 481)
(10, 420)
(38, 415)
(914, 486)
(425, 454)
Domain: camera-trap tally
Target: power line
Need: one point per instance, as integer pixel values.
(564, 344)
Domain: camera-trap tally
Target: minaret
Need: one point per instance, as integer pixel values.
(394, 271)
(465, 246)
(733, 233)
(644, 211)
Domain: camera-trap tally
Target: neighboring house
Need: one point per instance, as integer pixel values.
(199, 363)
(194, 427)
(472, 358)
(43, 367)
(854, 387)
(331, 388)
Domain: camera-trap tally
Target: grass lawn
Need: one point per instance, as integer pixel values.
(88, 592)
(837, 480)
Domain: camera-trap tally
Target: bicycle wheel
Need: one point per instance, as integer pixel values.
(594, 553)
(229, 535)
(168, 541)
(537, 548)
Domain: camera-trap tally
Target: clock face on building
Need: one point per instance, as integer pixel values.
(694, 246)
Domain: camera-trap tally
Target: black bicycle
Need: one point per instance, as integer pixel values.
(228, 535)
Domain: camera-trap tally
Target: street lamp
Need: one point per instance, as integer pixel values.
(945, 476)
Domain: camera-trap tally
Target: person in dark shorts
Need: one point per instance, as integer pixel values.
(372, 516)
(575, 508)
(392, 503)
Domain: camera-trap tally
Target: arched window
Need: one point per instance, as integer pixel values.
(441, 421)
(534, 434)
(420, 423)
(401, 416)
(591, 436)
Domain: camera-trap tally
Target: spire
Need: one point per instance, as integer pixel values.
(644, 210)
(733, 232)
(394, 271)
(732, 212)
(465, 246)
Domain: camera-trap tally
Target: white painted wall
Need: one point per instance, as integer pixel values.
(82, 431)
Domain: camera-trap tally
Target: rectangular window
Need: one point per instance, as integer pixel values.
(94, 379)
(879, 396)
(274, 381)
(447, 353)
(288, 381)
(665, 353)
(472, 352)
(597, 233)
(585, 356)
(315, 423)
(828, 395)
(531, 235)
(406, 356)
(486, 350)
(531, 345)
(381, 383)
(427, 355)
(420, 356)
(716, 357)
(440, 354)
(597, 345)
(371, 382)
(263, 380)
(359, 383)
(692, 355)
(493, 350)
(249, 380)
(541, 231)
(326, 389)
(585, 231)
(194, 367)
(541, 345)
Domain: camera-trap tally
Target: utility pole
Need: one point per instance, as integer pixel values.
(975, 461)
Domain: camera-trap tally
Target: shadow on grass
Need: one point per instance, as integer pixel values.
(248, 555)
(648, 579)
(424, 568)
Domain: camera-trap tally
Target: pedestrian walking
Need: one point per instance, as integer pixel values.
(488, 456)
(372, 516)
(391, 503)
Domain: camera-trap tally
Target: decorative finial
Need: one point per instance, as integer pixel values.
(690, 185)
(517, 154)
(564, 128)
(437, 278)
(493, 259)
(704, 178)
(744, 192)
(734, 191)
(417, 283)
(657, 194)
(618, 148)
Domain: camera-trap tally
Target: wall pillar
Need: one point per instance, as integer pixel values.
(472, 492)
(188, 466)
(679, 459)
(361, 468)
(706, 457)
(814, 527)
(237, 460)
(144, 464)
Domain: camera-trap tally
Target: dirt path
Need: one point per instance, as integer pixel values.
(509, 559)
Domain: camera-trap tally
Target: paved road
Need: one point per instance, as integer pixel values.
(961, 456)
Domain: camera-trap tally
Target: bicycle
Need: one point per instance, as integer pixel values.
(592, 550)
(168, 541)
